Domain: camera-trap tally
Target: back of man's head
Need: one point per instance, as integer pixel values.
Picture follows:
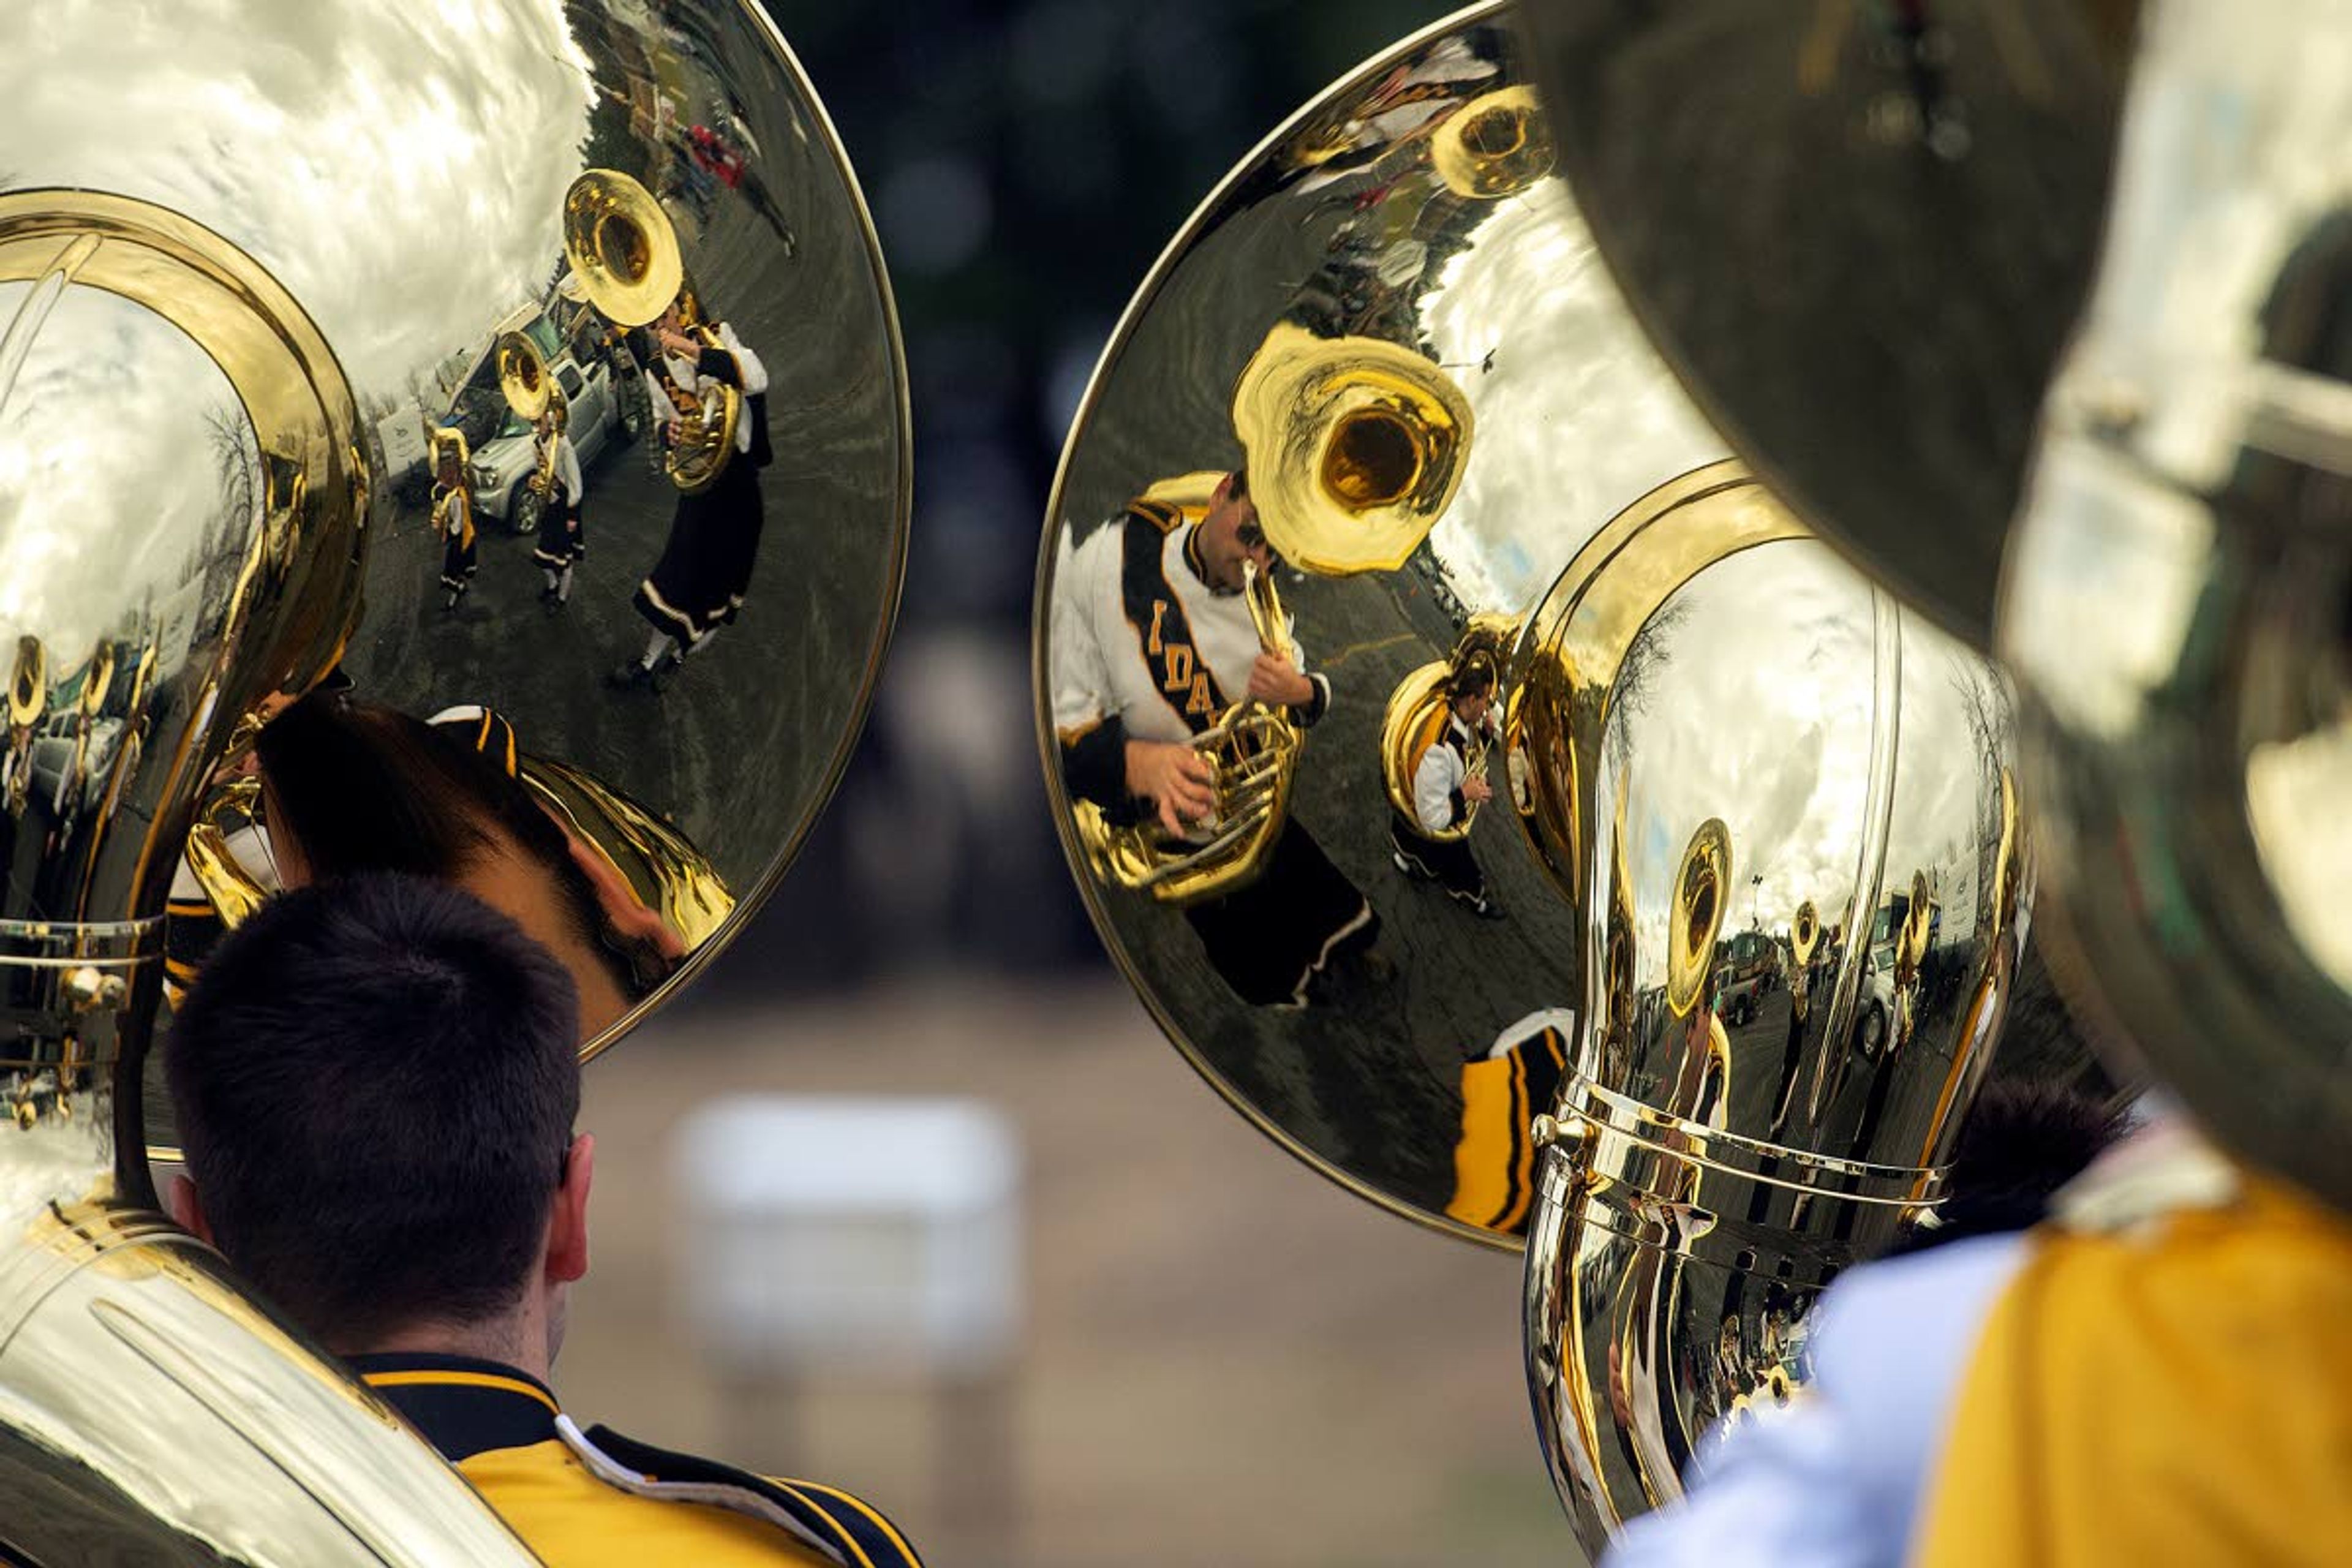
(375, 1080)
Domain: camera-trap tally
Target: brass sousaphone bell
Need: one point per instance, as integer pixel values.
(261, 523)
(531, 392)
(624, 250)
(1720, 723)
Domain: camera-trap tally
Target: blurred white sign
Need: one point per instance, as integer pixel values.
(851, 1234)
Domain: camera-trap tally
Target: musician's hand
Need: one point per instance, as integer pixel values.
(1274, 679)
(1175, 779)
(680, 346)
(1476, 789)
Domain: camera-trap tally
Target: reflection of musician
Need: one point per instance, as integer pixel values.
(1444, 791)
(1151, 641)
(453, 516)
(705, 570)
(1502, 1092)
(561, 542)
(378, 1082)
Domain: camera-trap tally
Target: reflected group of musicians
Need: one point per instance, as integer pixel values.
(700, 581)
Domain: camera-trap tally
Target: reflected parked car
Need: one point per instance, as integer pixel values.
(503, 448)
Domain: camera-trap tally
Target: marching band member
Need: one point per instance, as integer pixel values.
(453, 514)
(705, 570)
(561, 542)
(1444, 792)
(431, 1236)
(1153, 640)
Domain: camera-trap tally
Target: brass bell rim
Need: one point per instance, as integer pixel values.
(1355, 447)
(623, 247)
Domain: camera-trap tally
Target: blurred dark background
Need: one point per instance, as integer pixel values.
(1026, 163)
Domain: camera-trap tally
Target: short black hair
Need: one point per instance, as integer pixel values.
(376, 1080)
(1237, 483)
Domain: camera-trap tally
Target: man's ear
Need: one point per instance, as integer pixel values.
(567, 1220)
(186, 1209)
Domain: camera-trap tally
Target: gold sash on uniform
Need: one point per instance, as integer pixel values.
(2181, 1393)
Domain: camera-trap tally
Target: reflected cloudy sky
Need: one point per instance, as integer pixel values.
(90, 531)
(1760, 712)
(1578, 418)
(401, 168)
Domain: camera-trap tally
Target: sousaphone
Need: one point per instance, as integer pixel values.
(259, 359)
(2155, 316)
(1728, 739)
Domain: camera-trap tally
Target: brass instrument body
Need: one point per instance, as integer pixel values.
(243, 351)
(2151, 318)
(1688, 653)
(1706, 1178)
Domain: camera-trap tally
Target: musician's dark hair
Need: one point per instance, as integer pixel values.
(376, 1081)
(1237, 483)
(362, 787)
(1475, 678)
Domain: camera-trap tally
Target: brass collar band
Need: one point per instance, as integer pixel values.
(1658, 1180)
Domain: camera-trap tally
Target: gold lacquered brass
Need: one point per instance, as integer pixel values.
(1576, 1025)
(230, 322)
(624, 252)
(1355, 447)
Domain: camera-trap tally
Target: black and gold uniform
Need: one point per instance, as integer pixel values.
(587, 1500)
(453, 518)
(1502, 1092)
(705, 571)
(1145, 649)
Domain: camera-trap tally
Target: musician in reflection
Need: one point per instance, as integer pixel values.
(561, 542)
(1445, 789)
(1151, 641)
(453, 515)
(377, 1083)
(700, 582)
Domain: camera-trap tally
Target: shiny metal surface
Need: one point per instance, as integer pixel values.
(1718, 742)
(2176, 601)
(1862, 232)
(1784, 761)
(1340, 231)
(246, 270)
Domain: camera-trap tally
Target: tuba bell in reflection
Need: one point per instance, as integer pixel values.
(624, 250)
